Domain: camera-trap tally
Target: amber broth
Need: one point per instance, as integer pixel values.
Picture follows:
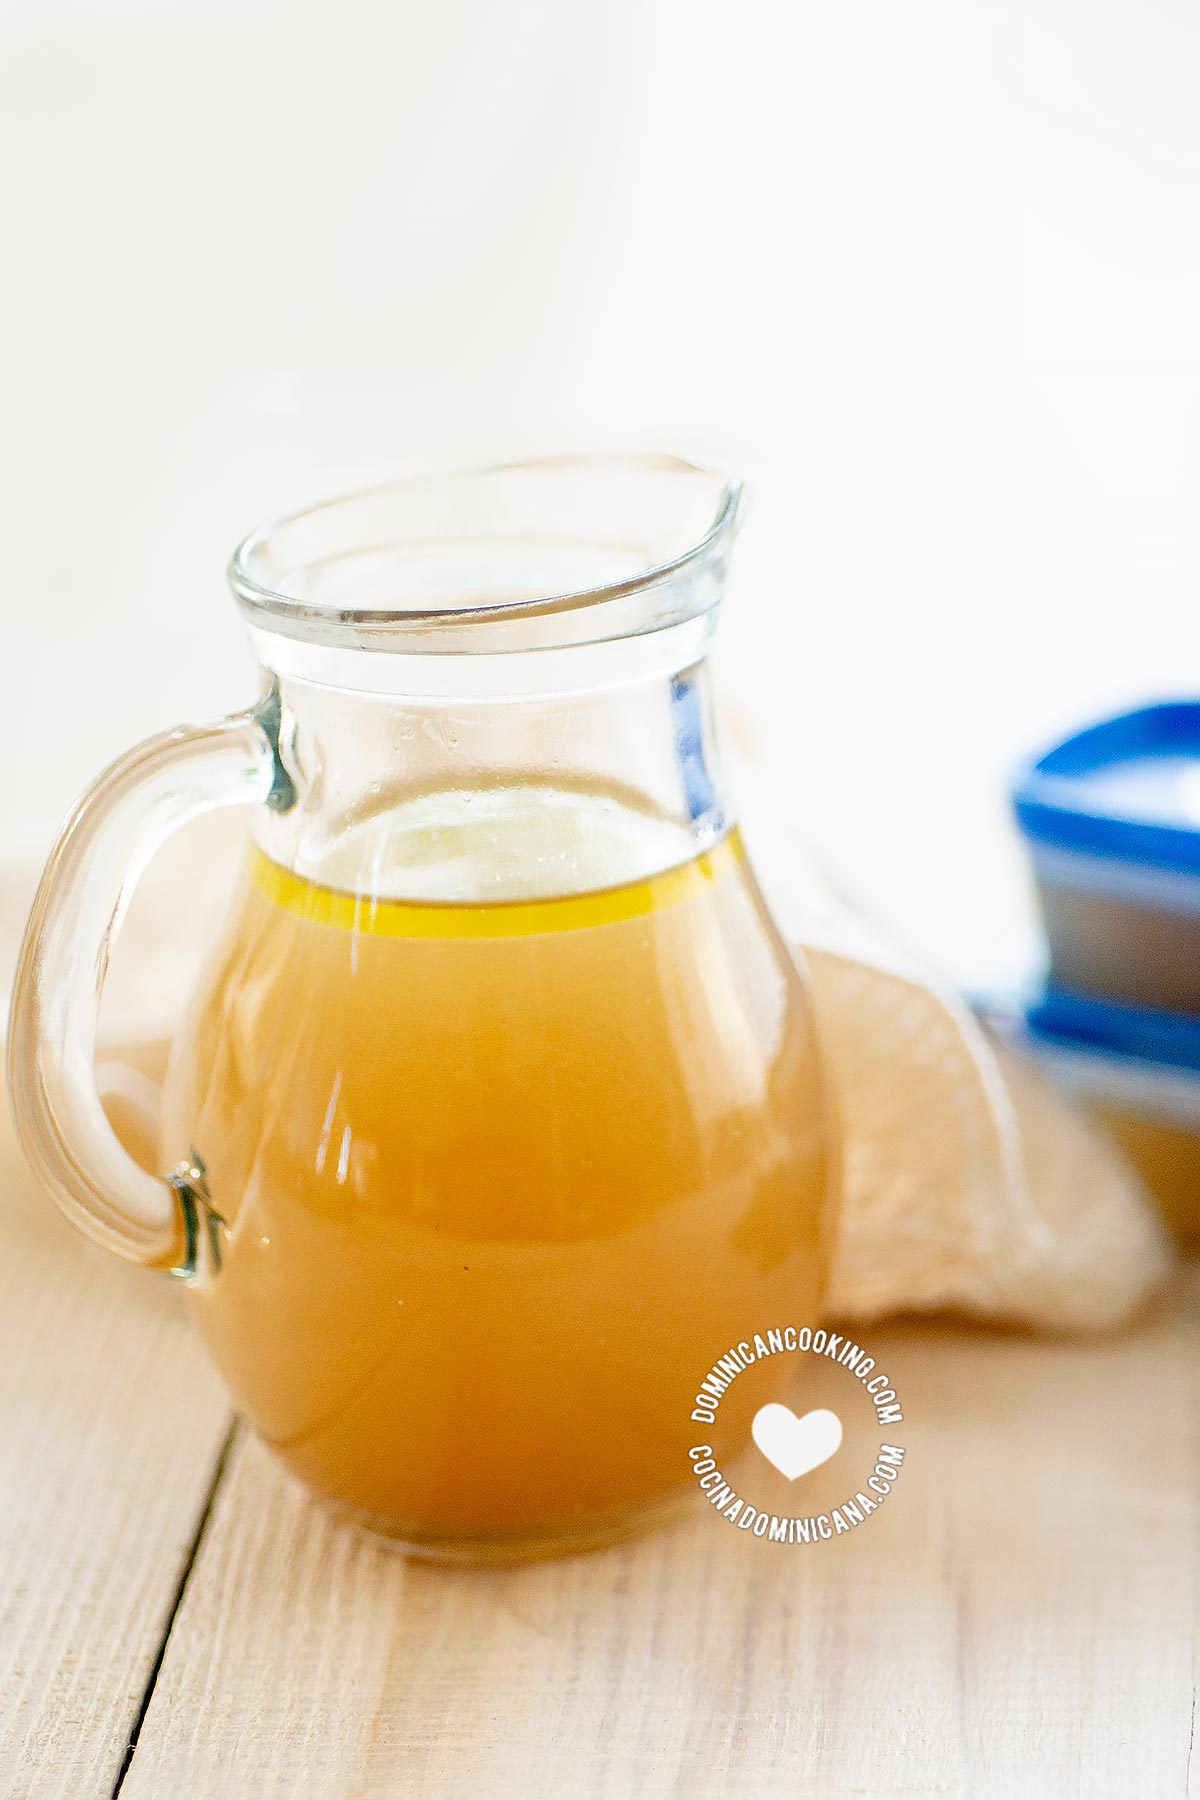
(499, 1183)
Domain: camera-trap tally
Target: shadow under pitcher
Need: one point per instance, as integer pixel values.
(497, 1116)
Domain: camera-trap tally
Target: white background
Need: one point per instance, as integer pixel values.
(927, 274)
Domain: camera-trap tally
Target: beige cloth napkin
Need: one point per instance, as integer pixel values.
(967, 1181)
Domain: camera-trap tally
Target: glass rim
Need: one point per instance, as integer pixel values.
(271, 608)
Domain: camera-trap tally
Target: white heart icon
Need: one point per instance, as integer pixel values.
(794, 1445)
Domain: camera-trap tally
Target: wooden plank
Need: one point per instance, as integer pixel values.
(110, 1425)
(1020, 1618)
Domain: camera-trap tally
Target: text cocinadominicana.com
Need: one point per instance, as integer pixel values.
(797, 1531)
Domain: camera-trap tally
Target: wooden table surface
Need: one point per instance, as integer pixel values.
(177, 1619)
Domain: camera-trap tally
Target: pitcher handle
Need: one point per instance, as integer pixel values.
(101, 853)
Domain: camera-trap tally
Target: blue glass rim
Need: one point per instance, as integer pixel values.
(1048, 793)
(1084, 1022)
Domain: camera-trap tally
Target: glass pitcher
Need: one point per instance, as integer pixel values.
(497, 1117)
